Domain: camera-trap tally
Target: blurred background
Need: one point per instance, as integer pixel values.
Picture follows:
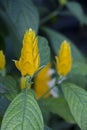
(66, 23)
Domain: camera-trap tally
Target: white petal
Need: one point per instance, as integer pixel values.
(51, 83)
(54, 92)
(50, 72)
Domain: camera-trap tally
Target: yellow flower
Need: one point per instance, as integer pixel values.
(64, 59)
(2, 60)
(30, 58)
(41, 82)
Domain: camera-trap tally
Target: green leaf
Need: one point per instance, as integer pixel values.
(23, 114)
(4, 103)
(76, 9)
(85, 20)
(9, 87)
(77, 79)
(79, 68)
(58, 106)
(76, 98)
(0, 121)
(47, 128)
(2, 89)
(56, 38)
(78, 74)
(19, 16)
(44, 50)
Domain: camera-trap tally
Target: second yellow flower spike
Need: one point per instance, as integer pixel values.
(64, 59)
(2, 60)
(41, 82)
(30, 58)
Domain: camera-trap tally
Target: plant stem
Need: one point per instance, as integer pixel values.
(53, 14)
(48, 17)
(61, 79)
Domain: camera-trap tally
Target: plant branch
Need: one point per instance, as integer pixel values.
(61, 79)
(56, 12)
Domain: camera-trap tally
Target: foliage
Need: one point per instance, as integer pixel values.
(65, 107)
(29, 108)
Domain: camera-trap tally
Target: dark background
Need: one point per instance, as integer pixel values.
(67, 25)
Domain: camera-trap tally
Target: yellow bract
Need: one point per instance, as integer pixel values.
(41, 82)
(64, 59)
(2, 60)
(30, 58)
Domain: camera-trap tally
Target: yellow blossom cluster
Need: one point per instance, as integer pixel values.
(29, 63)
(30, 58)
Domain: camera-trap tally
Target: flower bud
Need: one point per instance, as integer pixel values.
(29, 60)
(64, 59)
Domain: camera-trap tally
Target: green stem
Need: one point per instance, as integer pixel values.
(48, 17)
(61, 79)
(53, 14)
(47, 92)
(28, 81)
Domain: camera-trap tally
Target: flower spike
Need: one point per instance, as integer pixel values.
(64, 59)
(30, 58)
